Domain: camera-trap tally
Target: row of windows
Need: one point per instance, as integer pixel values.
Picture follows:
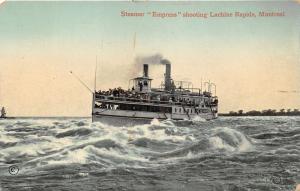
(131, 107)
(181, 110)
(189, 110)
(148, 108)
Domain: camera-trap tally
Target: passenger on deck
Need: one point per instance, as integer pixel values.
(173, 99)
(141, 86)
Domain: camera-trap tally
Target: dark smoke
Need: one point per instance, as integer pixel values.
(156, 59)
(165, 62)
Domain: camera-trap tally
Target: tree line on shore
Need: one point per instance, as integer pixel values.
(267, 112)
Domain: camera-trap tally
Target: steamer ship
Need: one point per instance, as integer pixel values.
(176, 100)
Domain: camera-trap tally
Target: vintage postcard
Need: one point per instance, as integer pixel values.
(150, 95)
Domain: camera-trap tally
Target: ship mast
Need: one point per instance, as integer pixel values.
(3, 112)
(95, 80)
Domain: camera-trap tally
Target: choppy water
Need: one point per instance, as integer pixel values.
(232, 154)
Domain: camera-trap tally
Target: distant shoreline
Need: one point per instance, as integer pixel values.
(268, 112)
(45, 117)
(244, 115)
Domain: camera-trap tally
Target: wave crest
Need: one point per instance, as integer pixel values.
(230, 140)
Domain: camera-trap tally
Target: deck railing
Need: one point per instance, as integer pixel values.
(113, 98)
(147, 101)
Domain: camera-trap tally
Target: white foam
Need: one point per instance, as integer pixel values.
(198, 119)
(114, 153)
(123, 135)
(74, 149)
(7, 138)
(155, 122)
(218, 143)
(236, 137)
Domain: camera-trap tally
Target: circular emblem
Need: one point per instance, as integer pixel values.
(13, 170)
(276, 180)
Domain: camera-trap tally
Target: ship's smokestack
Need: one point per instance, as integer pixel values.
(146, 70)
(168, 77)
(168, 71)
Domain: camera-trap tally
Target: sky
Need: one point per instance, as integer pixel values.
(254, 62)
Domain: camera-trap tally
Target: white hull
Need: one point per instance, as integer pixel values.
(129, 118)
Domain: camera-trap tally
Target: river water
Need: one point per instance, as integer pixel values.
(227, 154)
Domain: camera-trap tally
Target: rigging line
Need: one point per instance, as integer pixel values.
(96, 67)
(95, 80)
(134, 41)
(81, 82)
